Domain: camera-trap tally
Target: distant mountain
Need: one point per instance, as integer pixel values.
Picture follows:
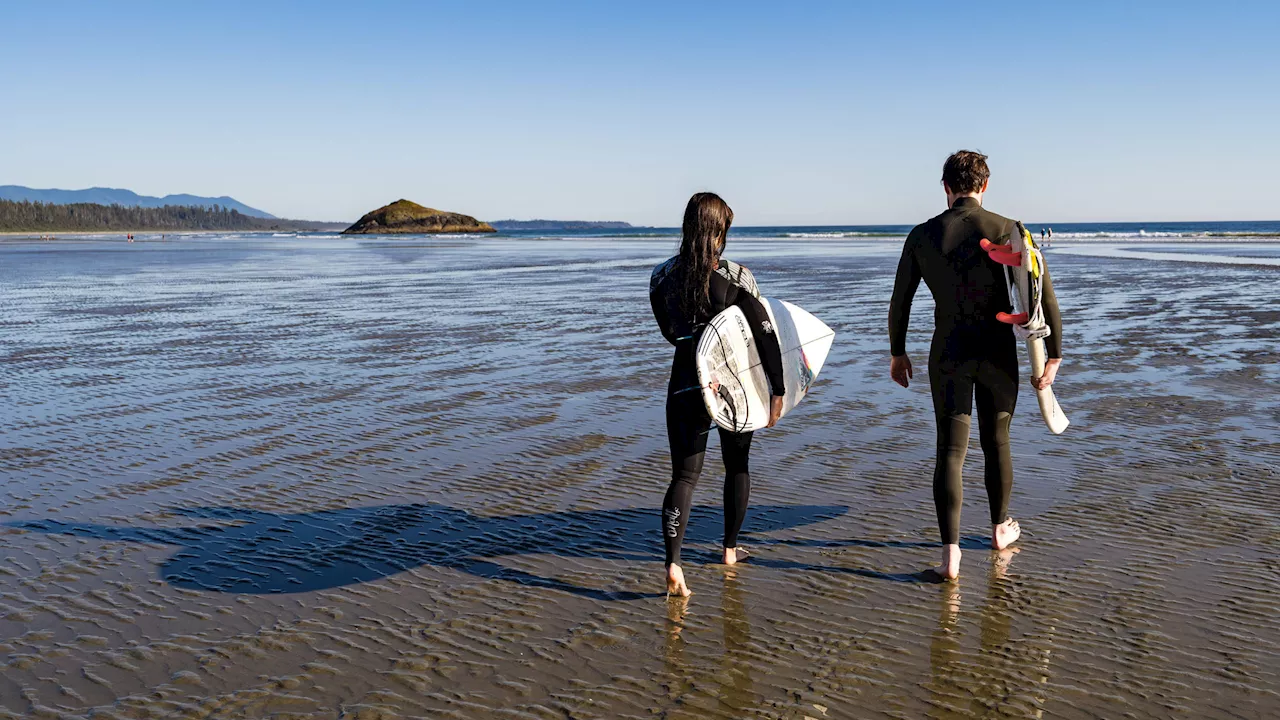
(124, 198)
(559, 225)
(27, 216)
(405, 217)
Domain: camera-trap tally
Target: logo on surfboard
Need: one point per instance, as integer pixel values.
(805, 372)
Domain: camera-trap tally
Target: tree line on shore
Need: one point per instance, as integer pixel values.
(49, 217)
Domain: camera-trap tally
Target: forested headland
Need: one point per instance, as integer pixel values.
(85, 217)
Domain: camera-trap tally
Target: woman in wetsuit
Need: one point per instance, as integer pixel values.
(686, 292)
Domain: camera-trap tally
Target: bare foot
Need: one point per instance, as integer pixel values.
(950, 567)
(1005, 534)
(735, 555)
(675, 582)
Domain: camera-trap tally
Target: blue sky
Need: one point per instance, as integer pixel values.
(797, 113)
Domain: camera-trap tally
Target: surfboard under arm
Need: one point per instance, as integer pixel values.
(1052, 413)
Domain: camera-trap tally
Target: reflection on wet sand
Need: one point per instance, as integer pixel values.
(1008, 675)
(673, 647)
(945, 653)
(736, 693)
(728, 670)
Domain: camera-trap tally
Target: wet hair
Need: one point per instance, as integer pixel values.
(706, 226)
(965, 171)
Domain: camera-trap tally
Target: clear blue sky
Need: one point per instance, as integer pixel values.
(798, 113)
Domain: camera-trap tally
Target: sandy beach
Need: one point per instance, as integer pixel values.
(367, 478)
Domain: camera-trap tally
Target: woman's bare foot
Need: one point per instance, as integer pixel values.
(675, 582)
(950, 567)
(735, 555)
(1005, 534)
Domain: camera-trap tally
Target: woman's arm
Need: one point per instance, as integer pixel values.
(766, 340)
(659, 305)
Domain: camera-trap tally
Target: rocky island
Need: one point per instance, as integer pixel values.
(405, 217)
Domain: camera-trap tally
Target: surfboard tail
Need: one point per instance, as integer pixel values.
(1054, 418)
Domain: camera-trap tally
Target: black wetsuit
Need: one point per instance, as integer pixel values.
(973, 354)
(687, 419)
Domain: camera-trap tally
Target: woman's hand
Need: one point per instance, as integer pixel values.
(775, 410)
(1050, 372)
(900, 370)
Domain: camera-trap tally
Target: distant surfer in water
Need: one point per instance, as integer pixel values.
(686, 292)
(973, 355)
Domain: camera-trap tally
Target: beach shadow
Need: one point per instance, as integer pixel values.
(252, 552)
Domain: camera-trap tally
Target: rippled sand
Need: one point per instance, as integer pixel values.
(258, 477)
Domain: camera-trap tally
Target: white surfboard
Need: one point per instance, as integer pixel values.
(727, 356)
(1024, 265)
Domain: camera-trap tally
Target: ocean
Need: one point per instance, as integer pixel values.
(1130, 231)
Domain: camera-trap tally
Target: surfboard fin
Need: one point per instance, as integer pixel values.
(1002, 254)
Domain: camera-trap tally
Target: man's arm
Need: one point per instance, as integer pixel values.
(1052, 316)
(904, 292)
(1053, 343)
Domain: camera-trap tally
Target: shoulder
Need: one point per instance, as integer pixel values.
(987, 214)
(995, 226)
(661, 272)
(738, 275)
(921, 231)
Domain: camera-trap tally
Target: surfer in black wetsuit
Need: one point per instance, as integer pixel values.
(973, 355)
(686, 292)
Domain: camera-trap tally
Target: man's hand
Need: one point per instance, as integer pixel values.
(1050, 372)
(900, 370)
(775, 410)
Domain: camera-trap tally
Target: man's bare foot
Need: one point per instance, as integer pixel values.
(735, 555)
(675, 582)
(1005, 534)
(950, 567)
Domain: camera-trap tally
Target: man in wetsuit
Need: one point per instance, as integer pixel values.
(973, 356)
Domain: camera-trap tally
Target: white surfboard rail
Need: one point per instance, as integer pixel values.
(734, 387)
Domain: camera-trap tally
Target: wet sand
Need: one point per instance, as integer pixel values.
(362, 478)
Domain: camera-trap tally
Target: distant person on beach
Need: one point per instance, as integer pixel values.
(686, 292)
(973, 355)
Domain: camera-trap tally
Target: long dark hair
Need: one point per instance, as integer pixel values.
(706, 226)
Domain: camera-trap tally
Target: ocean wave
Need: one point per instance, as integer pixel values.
(1116, 234)
(850, 234)
(1162, 235)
